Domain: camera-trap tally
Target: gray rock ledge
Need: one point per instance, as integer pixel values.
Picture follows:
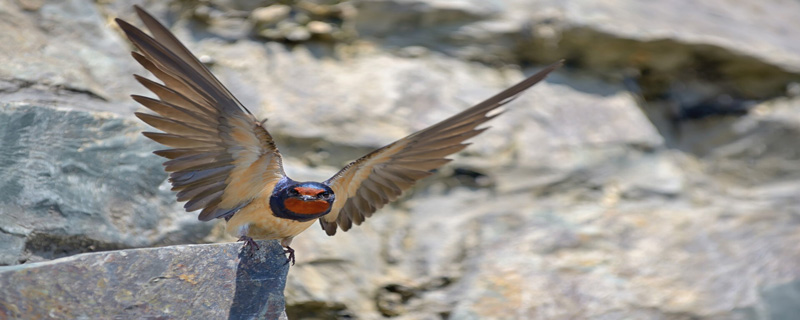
(211, 281)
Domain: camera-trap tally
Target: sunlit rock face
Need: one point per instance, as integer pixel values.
(654, 176)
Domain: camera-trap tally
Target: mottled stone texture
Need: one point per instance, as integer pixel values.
(76, 181)
(180, 282)
(656, 176)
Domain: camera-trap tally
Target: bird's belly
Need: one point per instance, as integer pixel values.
(258, 222)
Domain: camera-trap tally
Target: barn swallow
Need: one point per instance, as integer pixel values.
(223, 161)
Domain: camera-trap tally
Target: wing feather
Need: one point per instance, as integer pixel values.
(172, 111)
(192, 193)
(169, 81)
(220, 157)
(168, 40)
(178, 154)
(367, 184)
(435, 152)
(172, 126)
(201, 160)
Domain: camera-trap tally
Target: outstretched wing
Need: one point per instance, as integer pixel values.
(365, 185)
(220, 155)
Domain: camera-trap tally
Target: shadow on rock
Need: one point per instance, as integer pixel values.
(260, 280)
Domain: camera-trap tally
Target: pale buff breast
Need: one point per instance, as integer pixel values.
(259, 222)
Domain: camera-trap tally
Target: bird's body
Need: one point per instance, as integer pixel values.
(257, 221)
(224, 162)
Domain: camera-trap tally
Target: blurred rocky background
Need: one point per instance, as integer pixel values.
(656, 176)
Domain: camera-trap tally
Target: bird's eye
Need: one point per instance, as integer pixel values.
(324, 195)
(293, 192)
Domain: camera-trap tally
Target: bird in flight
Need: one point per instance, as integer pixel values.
(223, 161)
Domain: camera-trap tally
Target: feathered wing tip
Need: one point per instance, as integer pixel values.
(220, 155)
(367, 184)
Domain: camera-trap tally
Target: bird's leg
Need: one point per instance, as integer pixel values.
(250, 244)
(285, 243)
(290, 251)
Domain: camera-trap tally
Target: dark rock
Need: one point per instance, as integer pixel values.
(781, 301)
(319, 311)
(81, 181)
(194, 281)
(761, 149)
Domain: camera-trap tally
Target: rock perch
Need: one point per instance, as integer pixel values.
(212, 281)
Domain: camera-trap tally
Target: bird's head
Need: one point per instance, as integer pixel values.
(301, 200)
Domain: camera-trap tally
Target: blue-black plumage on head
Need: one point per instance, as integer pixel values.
(301, 201)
